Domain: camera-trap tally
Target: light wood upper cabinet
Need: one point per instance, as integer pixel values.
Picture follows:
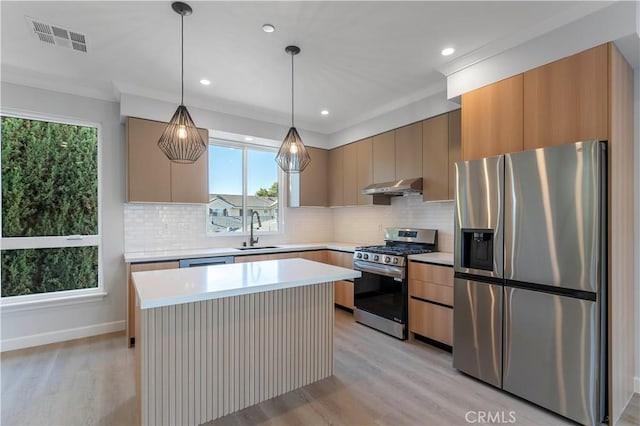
(349, 175)
(151, 177)
(190, 182)
(314, 189)
(364, 169)
(384, 157)
(567, 100)
(435, 158)
(336, 165)
(455, 149)
(440, 151)
(492, 118)
(409, 151)
(148, 169)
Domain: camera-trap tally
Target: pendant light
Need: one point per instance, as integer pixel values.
(180, 141)
(292, 156)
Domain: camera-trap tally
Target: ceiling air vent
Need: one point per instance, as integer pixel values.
(56, 35)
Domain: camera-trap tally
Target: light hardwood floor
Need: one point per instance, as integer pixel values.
(378, 380)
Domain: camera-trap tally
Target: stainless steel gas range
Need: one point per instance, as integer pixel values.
(381, 295)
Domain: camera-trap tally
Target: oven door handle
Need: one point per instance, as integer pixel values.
(395, 272)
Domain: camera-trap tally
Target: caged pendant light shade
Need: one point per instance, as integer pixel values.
(292, 156)
(180, 141)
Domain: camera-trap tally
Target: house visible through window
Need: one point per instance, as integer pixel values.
(242, 179)
(50, 211)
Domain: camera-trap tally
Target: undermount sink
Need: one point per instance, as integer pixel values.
(256, 248)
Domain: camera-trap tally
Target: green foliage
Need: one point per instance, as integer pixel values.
(32, 271)
(49, 188)
(49, 179)
(271, 192)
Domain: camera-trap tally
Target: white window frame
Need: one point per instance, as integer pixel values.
(281, 189)
(64, 297)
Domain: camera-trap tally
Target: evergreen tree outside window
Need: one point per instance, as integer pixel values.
(50, 209)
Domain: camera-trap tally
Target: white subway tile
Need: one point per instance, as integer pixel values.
(149, 227)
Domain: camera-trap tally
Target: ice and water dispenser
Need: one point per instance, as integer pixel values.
(477, 249)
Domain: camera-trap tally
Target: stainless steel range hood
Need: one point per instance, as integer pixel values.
(399, 187)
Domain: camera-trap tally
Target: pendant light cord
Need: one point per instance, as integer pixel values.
(292, 55)
(182, 58)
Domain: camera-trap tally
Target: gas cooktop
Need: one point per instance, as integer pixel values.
(400, 242)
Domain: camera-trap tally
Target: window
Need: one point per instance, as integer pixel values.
(242, 179)
(50, 211)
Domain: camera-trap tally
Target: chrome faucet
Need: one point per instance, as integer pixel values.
(251, 240)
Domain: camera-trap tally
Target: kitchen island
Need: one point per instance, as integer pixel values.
(216, 339)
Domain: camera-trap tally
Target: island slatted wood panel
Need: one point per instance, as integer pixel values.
(199, 361)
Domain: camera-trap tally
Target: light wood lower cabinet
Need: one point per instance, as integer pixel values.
(430, 320)
(131, 294)
(431, 301)
(315, 255)
(343, 292)
(343, 289)
(430, 291)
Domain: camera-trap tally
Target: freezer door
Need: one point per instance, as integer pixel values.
(479, 191)
(550, 352)
(553, 216)
(477, 330)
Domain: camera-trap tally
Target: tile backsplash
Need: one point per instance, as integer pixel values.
(366, 224)
(151, 227)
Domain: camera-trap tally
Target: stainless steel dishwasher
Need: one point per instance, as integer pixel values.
(205, 261)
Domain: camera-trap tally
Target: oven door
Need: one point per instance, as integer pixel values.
(382, 291)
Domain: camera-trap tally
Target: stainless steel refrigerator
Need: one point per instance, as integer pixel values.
(530, 287)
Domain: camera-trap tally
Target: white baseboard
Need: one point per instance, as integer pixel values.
(60, 335)
(636, 384)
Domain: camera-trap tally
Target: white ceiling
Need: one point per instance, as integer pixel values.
(358, 59)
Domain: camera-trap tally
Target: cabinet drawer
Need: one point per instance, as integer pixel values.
(343, 291)
(442, 275)
(426, 290)
(432, 321)
(340, 258)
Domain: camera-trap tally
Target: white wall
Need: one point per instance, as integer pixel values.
(431, 106)
(636, 154)
(29, 327)
(611, 23)
(153, 109)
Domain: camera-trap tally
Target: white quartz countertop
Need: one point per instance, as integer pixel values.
(175, 286)
(438, 257)
(153, 256)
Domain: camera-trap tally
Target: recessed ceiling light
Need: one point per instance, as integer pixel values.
(248, 138)
(448, 51)
(205, 82)
(268, 28)
(324, 112)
